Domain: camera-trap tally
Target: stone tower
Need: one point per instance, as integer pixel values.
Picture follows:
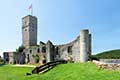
(29, 31)
(85, 45)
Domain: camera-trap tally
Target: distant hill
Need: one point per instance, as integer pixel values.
(112, 54)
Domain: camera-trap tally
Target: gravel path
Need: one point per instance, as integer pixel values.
(24, 65)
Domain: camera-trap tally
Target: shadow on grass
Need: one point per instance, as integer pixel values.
(2, 65)
(46, 67)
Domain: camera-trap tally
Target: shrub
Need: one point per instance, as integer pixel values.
(2, 61)
(36, 58)
(20, 49)
(92, 57)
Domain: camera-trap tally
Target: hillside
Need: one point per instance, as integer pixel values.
(113, 54)
(80, 71)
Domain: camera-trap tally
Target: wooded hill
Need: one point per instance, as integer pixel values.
(112, 54)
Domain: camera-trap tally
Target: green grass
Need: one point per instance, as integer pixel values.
(70, 71)
(83, 71)
(9, 72)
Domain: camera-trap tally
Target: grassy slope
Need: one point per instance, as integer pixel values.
(78, 71)
(15, 73)
(84, 71)
(114, 54)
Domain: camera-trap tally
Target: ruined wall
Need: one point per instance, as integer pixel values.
(70, 51)
(78, 50)
(107, 65)
(9, 57)
(30, 52)
(42, 51)
(50, 52)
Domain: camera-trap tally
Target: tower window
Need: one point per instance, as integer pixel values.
(25, 29)
(30, 51)
(38, 50)
(43, 49)
(69, 49)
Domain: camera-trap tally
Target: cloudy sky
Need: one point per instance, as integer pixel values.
(61, 20)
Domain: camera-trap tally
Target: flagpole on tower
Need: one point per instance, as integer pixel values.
(31, 9)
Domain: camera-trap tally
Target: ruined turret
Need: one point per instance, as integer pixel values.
(85, 45)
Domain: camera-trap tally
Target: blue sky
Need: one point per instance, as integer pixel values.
(61, 20)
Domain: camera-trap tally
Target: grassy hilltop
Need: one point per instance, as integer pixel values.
(70, 71)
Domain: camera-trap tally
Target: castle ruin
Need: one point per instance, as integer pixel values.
(78, 50)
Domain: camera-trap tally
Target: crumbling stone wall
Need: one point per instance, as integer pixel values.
(50, 51)
(70, 51)
(30, 53)
(9, 57)
(108, 66)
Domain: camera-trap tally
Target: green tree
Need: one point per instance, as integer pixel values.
(20, 49)
(36, 58)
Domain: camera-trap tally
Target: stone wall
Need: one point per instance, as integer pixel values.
(50, 52)
(108, 66)
(9, 57)
(70, 51)
(78, 50)
(30, 52)
(42, 50)
(110, 60)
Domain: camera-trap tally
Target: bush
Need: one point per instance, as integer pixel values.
(2, 61)
(20, 49)
(92, 57)
(36, 58)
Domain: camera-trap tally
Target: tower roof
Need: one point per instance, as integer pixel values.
(29, 16)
